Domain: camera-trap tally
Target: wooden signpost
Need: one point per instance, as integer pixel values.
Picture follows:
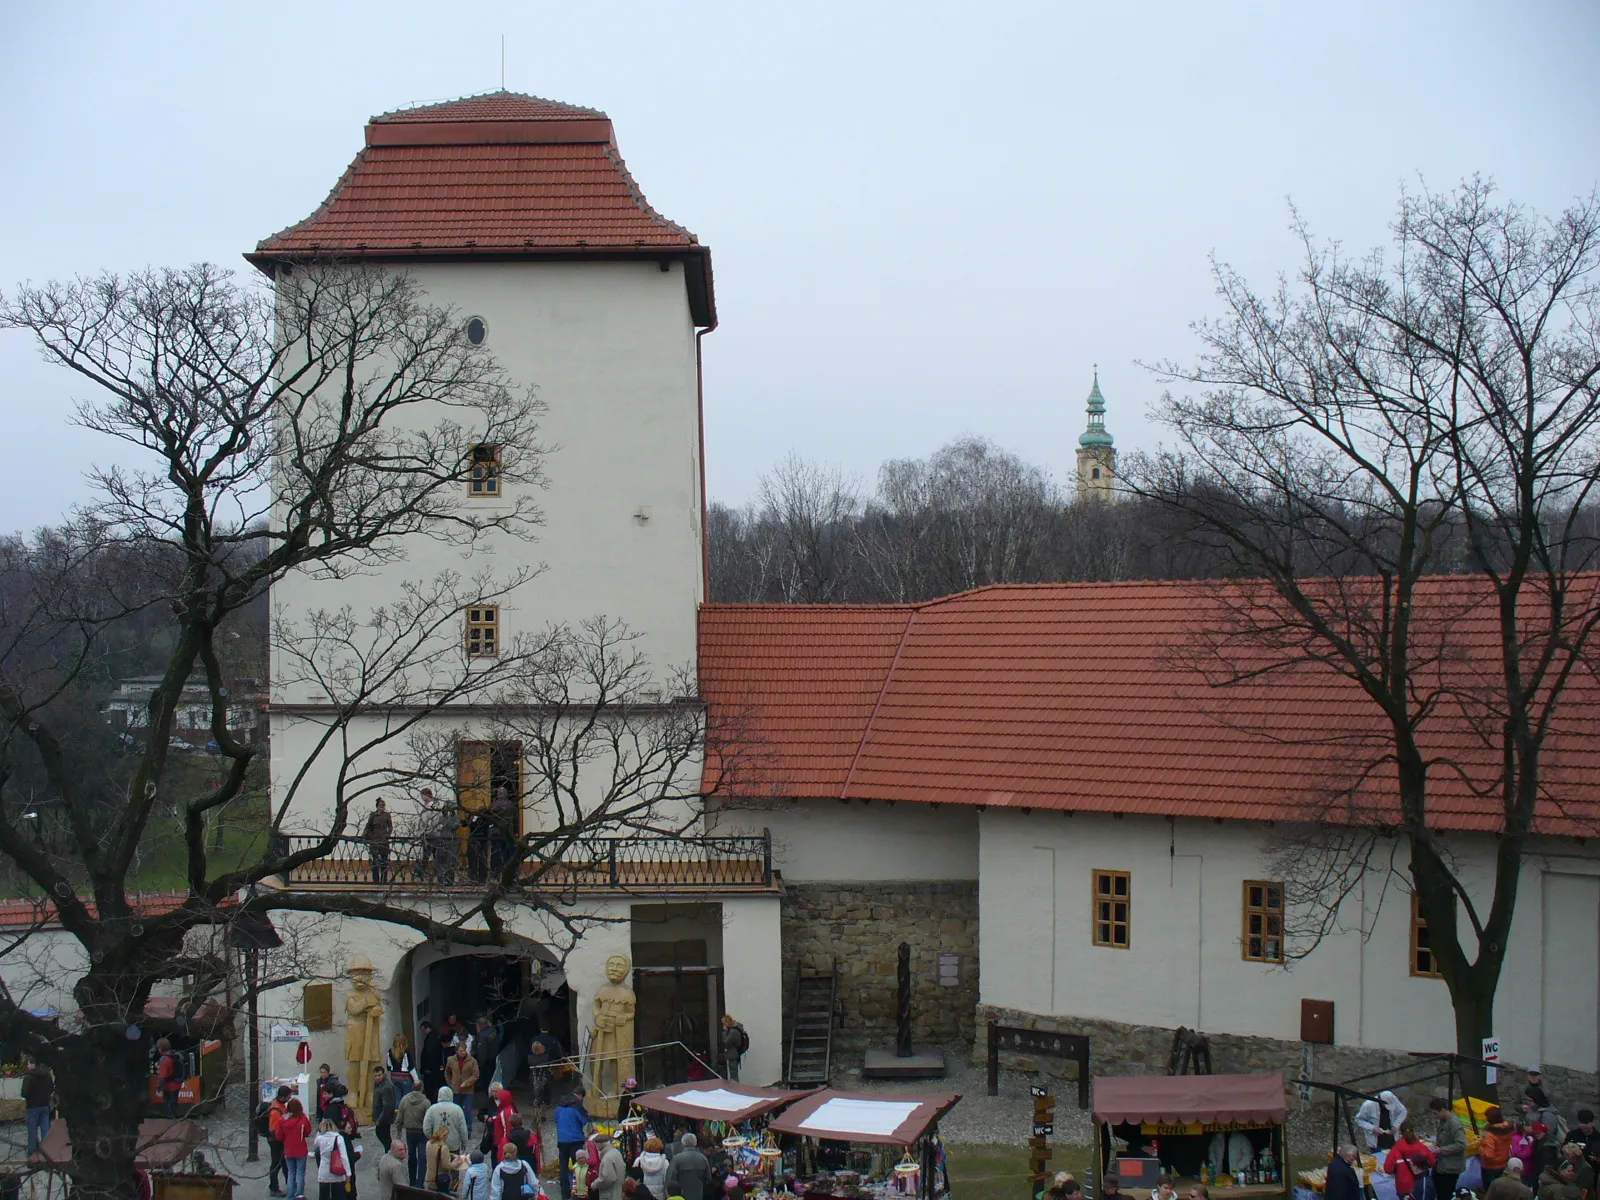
(1039, 1152)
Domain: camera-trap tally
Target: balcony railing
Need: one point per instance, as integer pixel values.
(647, 864)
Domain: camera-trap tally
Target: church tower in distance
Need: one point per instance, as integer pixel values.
(1097, 456)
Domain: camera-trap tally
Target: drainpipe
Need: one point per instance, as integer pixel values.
(700, 420)
(1200, 915)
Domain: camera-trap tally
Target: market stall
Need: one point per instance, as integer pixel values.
(162, 1144)
(721, 1113)
(841, 1145)
(1226, 1131)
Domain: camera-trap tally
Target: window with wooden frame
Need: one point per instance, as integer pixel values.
(483, 631)
(489, 776)
(1423, 964)
(1263, 921)
(1111, 901)
(485, 477)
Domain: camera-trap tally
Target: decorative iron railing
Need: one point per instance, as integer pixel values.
(624, 863)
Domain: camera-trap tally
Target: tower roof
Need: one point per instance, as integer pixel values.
(1095, 434)
(496, 176)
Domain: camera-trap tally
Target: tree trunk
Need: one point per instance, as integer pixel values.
(1474, 1008)
(106, 1095)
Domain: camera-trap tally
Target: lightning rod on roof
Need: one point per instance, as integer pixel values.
(502, 62)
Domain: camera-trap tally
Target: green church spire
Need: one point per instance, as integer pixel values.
(1095, 434)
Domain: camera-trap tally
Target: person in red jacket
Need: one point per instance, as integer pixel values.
(1409, 1162)
(294, 1131)
(500, 1122)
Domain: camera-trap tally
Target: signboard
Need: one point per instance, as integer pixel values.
(1191, 1128)
(1491, 1054)
(298, 1085)
(290, 1033)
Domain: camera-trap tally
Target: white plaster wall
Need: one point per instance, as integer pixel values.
(609, 347)
(296, 742)
(829, 841)
(752, 979)
(41, 972)
(1184, 964)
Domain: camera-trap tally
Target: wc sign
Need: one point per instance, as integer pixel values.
(1491, 1054)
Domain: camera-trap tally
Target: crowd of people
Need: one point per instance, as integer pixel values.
(436, 847)
(1531, 1151)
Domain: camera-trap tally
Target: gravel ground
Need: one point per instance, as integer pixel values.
(1003, 1120)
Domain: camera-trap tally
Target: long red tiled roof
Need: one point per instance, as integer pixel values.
(29, 913)
(1088, 697)
(494, 176)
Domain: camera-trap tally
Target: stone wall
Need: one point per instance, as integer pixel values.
(860, 927)
(1119, 1049)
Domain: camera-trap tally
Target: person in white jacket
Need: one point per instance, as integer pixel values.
(331, 1183)
(1380, 1133)
(652, 1165)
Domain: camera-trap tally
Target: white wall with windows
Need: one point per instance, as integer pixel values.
(1186, 936)
(609, 348)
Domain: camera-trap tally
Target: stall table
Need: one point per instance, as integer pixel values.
(1170, 1107)
(718, 1100)
(873, 1118)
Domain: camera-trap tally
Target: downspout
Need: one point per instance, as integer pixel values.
(700, 422)
(1200, 914)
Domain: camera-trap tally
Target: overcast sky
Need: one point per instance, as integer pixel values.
(926, 219)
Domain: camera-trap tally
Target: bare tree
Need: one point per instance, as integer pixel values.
(315, 428)
(808, 511)
(970, 515)
(1377, 423)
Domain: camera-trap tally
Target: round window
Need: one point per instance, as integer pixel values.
(476, 331)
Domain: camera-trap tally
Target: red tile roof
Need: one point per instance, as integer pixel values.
(1085, 697)
(493, 106)
(28, 913)
(496, 176)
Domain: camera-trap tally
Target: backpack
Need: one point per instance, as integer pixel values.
(744, 1041)
(516, 1183)
(263, 1118)
(167, 1069)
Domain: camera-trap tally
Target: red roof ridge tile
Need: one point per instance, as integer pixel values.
(498, 105)
(883, 690)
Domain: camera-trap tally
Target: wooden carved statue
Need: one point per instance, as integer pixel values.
(612, 1043)
(363, 1033)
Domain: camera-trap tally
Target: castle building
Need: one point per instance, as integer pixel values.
(1015, 781)
(1097, 455)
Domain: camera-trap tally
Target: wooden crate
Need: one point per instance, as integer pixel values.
(191, 1187)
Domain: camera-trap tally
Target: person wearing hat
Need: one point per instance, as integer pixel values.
(613, 1168)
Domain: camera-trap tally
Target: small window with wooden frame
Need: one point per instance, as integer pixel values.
(1423, 964)
(1112, 900)
(483, 631)
(484, 482)
(1263, 921)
